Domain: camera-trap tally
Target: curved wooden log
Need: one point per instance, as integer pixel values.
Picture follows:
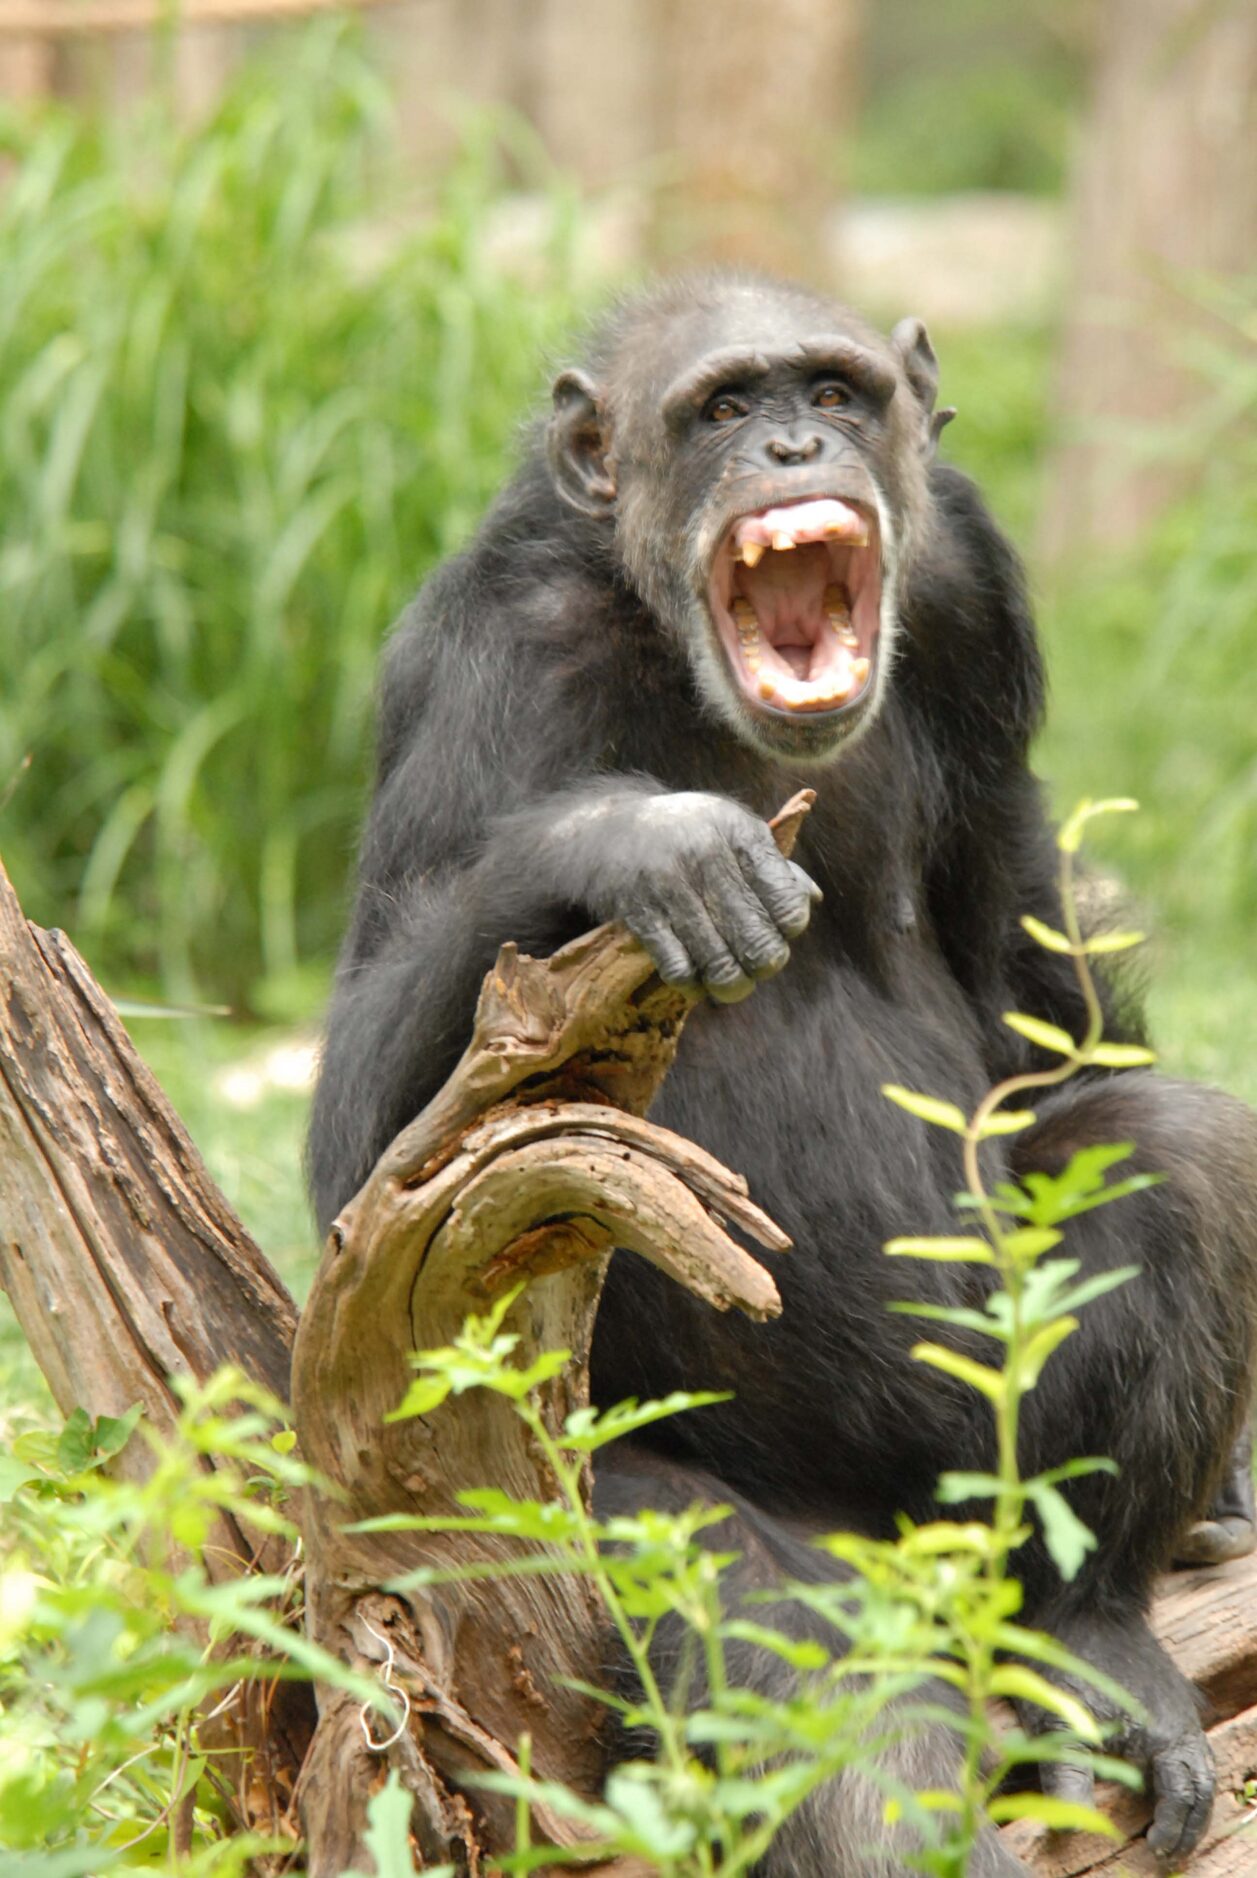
(532, 1162)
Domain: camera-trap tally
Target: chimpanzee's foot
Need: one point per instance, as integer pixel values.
(1230, 1528)
(1165, 1742)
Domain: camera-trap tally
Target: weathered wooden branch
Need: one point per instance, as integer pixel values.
(531, 1162)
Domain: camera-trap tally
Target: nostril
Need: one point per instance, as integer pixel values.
(783, 450)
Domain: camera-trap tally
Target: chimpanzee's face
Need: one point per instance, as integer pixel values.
(764, 457)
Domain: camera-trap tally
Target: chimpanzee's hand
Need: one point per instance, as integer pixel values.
(700, 881)
(1166, 1742)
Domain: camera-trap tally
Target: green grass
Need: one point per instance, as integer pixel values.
(235, 430)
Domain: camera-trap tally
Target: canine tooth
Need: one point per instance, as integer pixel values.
(782, 541)
(753, 661)
(858, 540)
(752, 552)
(767, 689)
(860, 669)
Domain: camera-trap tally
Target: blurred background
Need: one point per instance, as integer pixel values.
(278, 286)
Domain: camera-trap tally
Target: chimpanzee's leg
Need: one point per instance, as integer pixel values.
(1158, 1378)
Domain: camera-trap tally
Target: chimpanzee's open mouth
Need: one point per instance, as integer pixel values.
(795, 595)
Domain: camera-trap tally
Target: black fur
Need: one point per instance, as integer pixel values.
(534, 708)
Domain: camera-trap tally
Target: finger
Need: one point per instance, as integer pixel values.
(1068, 1780)
(672, 962)
(740, 917)
(1183, 1783)
(782, 888)
(719, 972)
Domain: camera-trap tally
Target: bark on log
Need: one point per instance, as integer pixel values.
(124, 1266)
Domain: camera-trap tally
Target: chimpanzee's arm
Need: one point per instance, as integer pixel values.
(697, 877)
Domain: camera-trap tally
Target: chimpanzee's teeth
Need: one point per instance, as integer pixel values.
(838, 613)
(752, 552)
(748, 633)
(782, 542)
(860, 669)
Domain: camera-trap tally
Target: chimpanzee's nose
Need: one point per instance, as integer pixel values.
(792, 448)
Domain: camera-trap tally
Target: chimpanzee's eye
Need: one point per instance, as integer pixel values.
(723, 409)
(830, 397)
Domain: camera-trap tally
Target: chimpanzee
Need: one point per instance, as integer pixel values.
(729, 565)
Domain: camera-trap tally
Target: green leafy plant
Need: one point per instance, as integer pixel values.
(118, 1639)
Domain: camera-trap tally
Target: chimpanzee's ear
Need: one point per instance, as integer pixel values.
(578, 446)
(920, 365)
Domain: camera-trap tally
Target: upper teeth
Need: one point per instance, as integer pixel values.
(818, 519)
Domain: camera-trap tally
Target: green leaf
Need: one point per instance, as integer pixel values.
(638, 1801)
(953, 1488)
(14, 1474)
(1007, 1122)
(586, 1430)
(926, 1108)
(76, 1444)
(526, 1519)
(1096, 1287)
(959, 1314)
(1026, 1685)
(1018, 1641)
(114, 1431)
(1047, 1036)
(1113, 942)
(1122, 1055)
(285, 1441)
(964, 1249)
(1040, 1347)
(1075, 1470)
(1068, 1538)
(1069, 839)
(424, 1394)
(800, 1652)
(1026, 1243)
(1120, 1190)
(1058, 1815)
(1046, 936)
(387, 1837)
(989, 1381)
